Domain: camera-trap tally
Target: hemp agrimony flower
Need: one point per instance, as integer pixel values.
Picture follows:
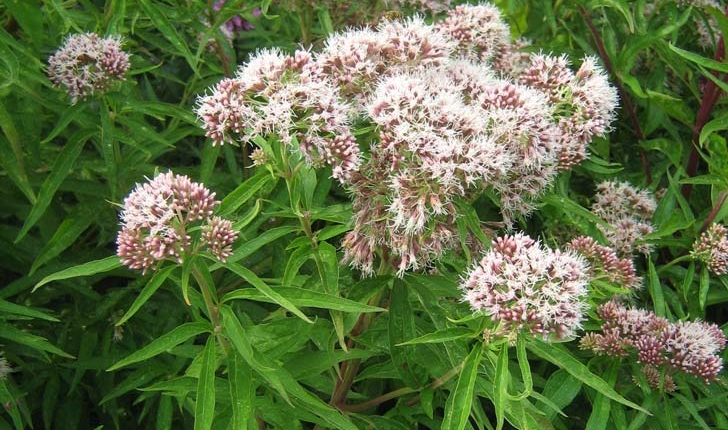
(275, 95)
(158, 219)
(479, 30)
(87, 64)
(627, 212)
(712, 249)
(691, 347)
(525, 286)
(604, 262)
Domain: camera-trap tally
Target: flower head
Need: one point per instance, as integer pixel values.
(691, 347)
(478, 29)
(157, 217)
(604, 262)
(712, 249)
(526, 286)
(627, 212)
(87, 64)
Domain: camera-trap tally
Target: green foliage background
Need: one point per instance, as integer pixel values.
(95, 345)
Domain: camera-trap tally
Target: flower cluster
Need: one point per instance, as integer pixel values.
(584, 101)
(712, 249)
(87, 64)
(627, 213)
(691, 347)
(157, 221)
(604, 263)
(526, 286)
(455, 109)
(275, 95)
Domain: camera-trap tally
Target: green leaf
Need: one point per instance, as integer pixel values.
(163, 343)
(563, 359)
(703, 61)
(86, 269)
(304, 298)
(15, 168)
(561, 388)
(149, 289)
(599, 417)
(243, 193)
(688, 280)
(704, 287)
(658, 298)
(242, 391)
(255, 244)
(80, 218)
(11, 407)
(717, 124)
(12, 308)
(60, 169)
(264, 288)
(205, 402)
(460, 400)
(163, 24)
(444, 335)
(500, 390)
(401, 329)
(525, 370)
(38, 343)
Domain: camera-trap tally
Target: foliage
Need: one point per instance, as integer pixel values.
(291, 329)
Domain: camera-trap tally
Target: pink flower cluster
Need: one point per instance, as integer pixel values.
(712, 249)
(691, 347)
(526, 286)
(87, 64)
(627, 212)
(275, 95)
(448, 123)
(157, 220)
(605, 263)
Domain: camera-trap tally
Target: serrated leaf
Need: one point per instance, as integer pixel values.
(460, 400)
(205, 401)
(304, 298)
(563, 359)
(243, 193)
(80, 218)
(658, 298)
(444, 335)
(38, 343)
(149, 289)
(500, 390)
(704, 287)
(601, 406)
(85, 269)
(58, 172)
(169, 32)
(401, 329)
(163, 343)
(264, 288)
(716, 124)
(15, 309)
(242, 391)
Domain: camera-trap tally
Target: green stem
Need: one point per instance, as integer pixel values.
(207, 295)
(673, 262)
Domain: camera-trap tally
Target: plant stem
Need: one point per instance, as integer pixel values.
(207, 295)
(623, 96)
(714, 211)
(710, 97)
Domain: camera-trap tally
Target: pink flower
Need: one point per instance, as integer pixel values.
(712, 249)
(604, 262)
(87, 64)
(526, 286)
(156, 222)
(478, 29)
(692, 347)
(627, 212)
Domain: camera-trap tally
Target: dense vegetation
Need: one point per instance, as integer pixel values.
(387, 214)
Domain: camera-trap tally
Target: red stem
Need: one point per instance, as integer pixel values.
(707, 104)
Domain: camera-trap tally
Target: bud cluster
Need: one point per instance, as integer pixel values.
(604, 262)
(712, 249)
(157, 223)
(692, 347)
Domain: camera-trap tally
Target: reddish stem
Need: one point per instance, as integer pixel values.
(707, 104)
